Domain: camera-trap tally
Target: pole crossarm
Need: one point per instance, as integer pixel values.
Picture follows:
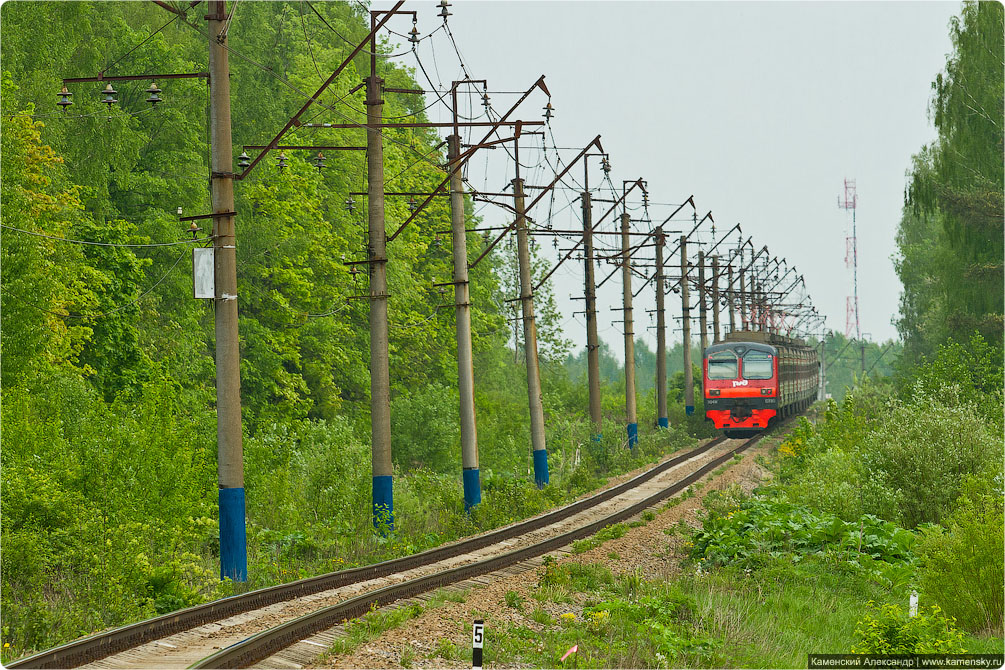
(304, 147)
(459, 164)
(689, 201)
(628, 251)
(593, 229)
(295, 120)
(179, 12)
(422, 124)
(881, 354)
(136, 77)
(723, 239)
(594, 142)
(708, 215)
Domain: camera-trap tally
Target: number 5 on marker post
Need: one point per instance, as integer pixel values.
(477, 642)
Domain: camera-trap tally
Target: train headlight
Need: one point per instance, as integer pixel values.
(767, 391)
(712, 392)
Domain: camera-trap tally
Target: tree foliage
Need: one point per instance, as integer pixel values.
(951, 236)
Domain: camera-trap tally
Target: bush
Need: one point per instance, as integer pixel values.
(424, 429)
(106, 517)
(831, 483)
(891, 632)
(922, 450)
(971, 372)
(961, 567)
(903, 461)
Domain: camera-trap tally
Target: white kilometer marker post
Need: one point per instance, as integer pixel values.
(477, 642)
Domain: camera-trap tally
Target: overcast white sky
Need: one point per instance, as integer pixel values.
(759, 109)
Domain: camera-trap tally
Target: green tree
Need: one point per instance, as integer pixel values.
(951, 235)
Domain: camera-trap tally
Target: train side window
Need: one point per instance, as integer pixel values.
(722, 365)
(757, 365)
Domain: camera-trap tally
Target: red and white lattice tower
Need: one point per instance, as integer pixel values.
(850, 203)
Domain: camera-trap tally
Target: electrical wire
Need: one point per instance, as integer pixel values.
(422, 321)
(109, 312)
(456, 50)
(285, 82)
(147, 39)
(352, 44)
(226, 26)
(81, 116)
(106, 244)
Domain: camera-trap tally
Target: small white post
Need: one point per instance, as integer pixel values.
(477, 642)
(913, 607)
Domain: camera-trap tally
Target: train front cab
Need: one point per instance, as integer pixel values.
(741, 386)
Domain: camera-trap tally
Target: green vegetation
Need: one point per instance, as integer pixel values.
(513, 599)
(108, 437)
(891, 631)
(757, 528)
(371, 625)
(603, 535)
(898, 487)
(627, 623)
(108, 447)
(951, 234)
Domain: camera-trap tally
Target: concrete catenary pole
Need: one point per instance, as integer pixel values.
(743, 298)
(732, 299)
(592, 336)
(762, 321)
(230, 448)
(662, 416)
(752, 301)
(380, 376)
(686, 323)
(822, 389)
(715, 299)
(626, 283)
(702, 302)
(530, 340)
(462, 311)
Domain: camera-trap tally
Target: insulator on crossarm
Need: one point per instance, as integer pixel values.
(152, 94)
(64, 98)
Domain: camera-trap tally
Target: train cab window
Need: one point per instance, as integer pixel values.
(722, 365)
(757, 365)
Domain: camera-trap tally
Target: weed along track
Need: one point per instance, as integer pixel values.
(268, 646)
(182, 638)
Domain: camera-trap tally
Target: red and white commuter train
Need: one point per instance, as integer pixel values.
(753, 378)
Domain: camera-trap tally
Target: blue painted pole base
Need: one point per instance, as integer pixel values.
(383, 504)
(541, 467)
(233, 539)
(633, 435)
(472, 488)
(689, 409)
(663, 422)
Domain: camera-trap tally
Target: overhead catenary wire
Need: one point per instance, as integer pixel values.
(105, 244)
(439, 93)
(99, 315)
(145, 40)
(361, 125)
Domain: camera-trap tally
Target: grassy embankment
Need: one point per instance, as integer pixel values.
(897, 489)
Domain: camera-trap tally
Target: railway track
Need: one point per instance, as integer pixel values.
(261, 646)
(96, 647)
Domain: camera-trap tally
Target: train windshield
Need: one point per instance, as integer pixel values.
(722, 365)
(757, 365)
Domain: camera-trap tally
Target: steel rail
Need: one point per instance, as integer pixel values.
(258, 647)
(101, 645)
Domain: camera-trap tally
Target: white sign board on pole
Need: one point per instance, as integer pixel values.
(203, 273)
